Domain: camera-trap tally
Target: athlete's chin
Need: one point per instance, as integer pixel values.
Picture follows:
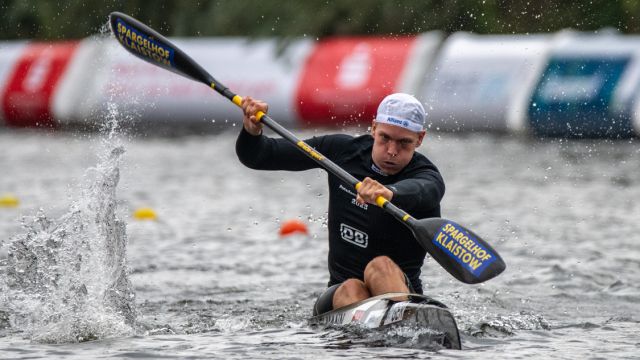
(390, 168)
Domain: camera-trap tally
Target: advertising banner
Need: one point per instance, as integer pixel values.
(10, 51)
(154, 97)
(483, 82)
(345, 78)
(588, 88)
(31, 82)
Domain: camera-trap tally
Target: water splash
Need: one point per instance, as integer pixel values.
(67, 280)
(501, 326)
(402, 336)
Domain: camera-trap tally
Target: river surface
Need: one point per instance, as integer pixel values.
(211, 277)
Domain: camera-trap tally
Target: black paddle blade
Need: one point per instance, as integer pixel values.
(459, 250)
(147, 44)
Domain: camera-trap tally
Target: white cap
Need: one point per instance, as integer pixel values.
(402, 110)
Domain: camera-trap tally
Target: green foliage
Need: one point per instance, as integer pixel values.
(45, 19)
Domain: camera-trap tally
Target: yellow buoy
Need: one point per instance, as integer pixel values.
(145, 213)
(8, 200)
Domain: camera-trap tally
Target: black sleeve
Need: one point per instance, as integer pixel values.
(265, 153)
(423, 191)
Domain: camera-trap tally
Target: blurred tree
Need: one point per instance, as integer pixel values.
(42, 19)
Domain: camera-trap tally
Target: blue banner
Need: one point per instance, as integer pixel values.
(574, 98)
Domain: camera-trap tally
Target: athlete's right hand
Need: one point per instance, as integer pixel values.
(250, 108)
(369, 191)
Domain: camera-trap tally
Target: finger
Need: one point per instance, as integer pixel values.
(360, 200)
(259, 106)
(367, 196)
(365, 184)
(365, 193)
(385, 193)
(245, 103)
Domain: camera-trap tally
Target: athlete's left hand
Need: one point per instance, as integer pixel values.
(370, 190)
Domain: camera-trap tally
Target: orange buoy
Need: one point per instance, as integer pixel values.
(145, 213)
(290, 227)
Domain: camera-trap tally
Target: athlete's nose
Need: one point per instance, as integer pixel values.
(392, 148)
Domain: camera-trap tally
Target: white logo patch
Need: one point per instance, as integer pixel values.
(353, 201)
(377, 169)
(354, 236)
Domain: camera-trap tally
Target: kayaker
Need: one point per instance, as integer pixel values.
(370, 253)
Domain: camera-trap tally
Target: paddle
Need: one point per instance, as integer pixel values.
(460, 251)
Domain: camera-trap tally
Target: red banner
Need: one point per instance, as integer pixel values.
(345, 78)
(27, 96)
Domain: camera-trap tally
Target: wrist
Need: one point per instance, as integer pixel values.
(253, 131)
(389, 194)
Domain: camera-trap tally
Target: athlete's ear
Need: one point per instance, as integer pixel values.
(421, 135)
(373, 127)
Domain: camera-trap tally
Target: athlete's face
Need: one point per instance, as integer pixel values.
(393, 146)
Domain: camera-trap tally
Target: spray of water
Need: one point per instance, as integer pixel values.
(66, 280)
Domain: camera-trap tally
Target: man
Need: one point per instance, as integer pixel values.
(370, 253)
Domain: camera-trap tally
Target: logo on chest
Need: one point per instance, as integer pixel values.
(353, 201)
(354, 236)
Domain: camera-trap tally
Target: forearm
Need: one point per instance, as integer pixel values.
(263, 153)
(423, 193)
(251, 149)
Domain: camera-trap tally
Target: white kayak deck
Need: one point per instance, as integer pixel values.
(383, 311)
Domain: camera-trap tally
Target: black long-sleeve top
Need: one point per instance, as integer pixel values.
(358, 233)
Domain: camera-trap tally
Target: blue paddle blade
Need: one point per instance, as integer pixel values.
(148, 45)
(464, 254)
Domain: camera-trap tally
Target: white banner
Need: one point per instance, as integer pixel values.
(483, 82)
(105, 73)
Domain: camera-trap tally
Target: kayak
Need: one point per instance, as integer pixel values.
(383, 312)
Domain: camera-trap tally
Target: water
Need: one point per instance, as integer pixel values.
(212, 279)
